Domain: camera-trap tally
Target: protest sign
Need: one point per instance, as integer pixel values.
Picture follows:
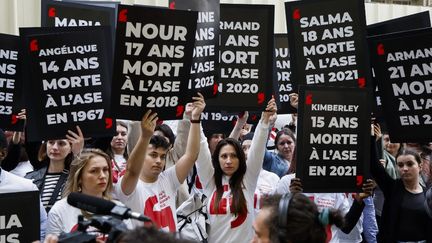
(205, 63)
(73, 14)
(283, 87)
(403, 66)
(68, 75)
(152, 63)
(20, 217)
(328, 43)
(10, 84)
(405, 23)
(246, 58)
(333, 138)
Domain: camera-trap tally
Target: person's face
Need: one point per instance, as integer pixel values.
(261, 229)
(119, 141)
(392, 148)
(246, 146)
(214, 140)
(228, 160)
(57, 150)
(408, 167)
(154, 162)
(95, 176)
(286, 146)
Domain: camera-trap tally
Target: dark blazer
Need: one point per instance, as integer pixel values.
(393, 190)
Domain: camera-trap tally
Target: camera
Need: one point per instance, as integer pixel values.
(110, 228)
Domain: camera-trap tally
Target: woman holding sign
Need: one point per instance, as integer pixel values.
(56, 155)
(404, 217)
(229, 181)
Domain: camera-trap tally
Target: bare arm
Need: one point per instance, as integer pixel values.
(186, 162)
(137, 157)
(241, 121)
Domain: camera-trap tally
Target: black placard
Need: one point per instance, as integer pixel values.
(333, 138)
(221, 122)
(10, 84)
(72, 14)
(327, 43)
(409, 22)
(406, 23)
(20, 217)
(403, 64)
(205, 64)
(246, 58)
(283, 74)
(152, 64)
(69, 82)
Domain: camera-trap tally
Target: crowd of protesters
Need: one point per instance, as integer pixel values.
(247, 192)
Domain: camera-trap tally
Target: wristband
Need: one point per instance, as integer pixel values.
(195, 121)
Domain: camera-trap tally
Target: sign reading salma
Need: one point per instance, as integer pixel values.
(152, 65)
(333, 138)
(327, 42)
(403, 66)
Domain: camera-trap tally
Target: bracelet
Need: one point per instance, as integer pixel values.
(195, 121)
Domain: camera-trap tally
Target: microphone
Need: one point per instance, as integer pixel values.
(103, 207)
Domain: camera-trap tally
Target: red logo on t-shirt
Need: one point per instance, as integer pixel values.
(222, 209)
(163, 218)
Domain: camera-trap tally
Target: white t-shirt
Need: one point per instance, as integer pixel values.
(155, 200)
(22, 168)
(120, 161)
(225, 226)
(62, 218)
(12, 183)
(267, 182)
(322, 200)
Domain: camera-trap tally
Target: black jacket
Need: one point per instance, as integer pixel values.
(393, 190)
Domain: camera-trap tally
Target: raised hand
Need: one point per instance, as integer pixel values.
(198, 106)
(188, 110)
(148, 123)
(294, 100)
(76, 140)
(270, 110)
(367, 188)
(296, 185)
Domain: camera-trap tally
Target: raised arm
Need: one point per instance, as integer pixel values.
(256, 152)
(186, 162)
(137, 157)
(241, 121)
(183, 126)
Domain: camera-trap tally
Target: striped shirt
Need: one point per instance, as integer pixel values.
(50, 184)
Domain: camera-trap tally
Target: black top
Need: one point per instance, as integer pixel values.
(412, 210)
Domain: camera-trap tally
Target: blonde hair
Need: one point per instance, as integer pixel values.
(75, 172)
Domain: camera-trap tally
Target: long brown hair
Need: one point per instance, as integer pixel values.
(235, 182)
